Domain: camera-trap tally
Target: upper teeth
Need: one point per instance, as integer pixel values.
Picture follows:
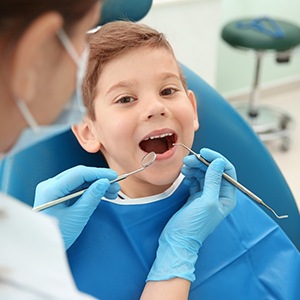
(158, 136)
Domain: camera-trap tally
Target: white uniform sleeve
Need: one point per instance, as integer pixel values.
(33, 264)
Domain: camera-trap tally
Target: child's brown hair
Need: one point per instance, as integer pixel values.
(113, 40)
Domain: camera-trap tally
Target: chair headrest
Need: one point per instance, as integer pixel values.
(133, 10)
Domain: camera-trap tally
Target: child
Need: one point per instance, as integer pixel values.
(137, 101)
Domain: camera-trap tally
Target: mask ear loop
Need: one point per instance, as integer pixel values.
(80, 61)
(64, 39)
(80, 76)
(27, 115)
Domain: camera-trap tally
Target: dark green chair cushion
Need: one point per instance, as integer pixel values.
(262, 34)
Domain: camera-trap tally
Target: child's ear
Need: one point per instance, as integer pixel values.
(86, 137)
(193, 101)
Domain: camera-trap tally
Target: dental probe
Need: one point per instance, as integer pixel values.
(234, 182)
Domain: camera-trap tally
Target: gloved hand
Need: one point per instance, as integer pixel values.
(73, 218)
(211, 200)
(194, 171)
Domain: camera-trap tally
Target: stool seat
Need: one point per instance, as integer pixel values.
(262, 34)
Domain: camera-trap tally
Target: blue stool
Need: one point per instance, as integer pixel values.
(261, 35)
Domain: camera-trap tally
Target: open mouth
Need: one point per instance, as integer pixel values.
(158, 144)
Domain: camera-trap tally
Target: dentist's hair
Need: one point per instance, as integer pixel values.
(111, 41)
(17, 15)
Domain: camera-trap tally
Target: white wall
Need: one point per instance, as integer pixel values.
(192, 27)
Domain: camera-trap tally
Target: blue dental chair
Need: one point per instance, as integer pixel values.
(221, 129)
(133, 10)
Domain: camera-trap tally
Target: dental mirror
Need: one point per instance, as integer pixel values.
(146, 161)
(234, 182)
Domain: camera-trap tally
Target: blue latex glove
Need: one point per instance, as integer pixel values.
(211, 200)
(73, 217)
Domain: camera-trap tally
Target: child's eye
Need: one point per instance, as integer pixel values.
(167, 92)
(125, 99)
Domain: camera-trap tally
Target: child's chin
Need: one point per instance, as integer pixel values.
(165, 178)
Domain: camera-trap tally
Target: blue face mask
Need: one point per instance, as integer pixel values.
(72, 113)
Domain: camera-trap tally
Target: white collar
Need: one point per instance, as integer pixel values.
(125, 200)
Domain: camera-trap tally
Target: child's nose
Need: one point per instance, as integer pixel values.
(153, 115)
(156, 109)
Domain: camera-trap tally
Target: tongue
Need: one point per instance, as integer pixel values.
(156, 145)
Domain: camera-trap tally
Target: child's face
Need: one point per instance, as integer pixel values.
(141, 106)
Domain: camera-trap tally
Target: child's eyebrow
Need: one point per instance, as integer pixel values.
(169, 75)
(121, 84)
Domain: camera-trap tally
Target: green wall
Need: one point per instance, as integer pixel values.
(235, 68)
